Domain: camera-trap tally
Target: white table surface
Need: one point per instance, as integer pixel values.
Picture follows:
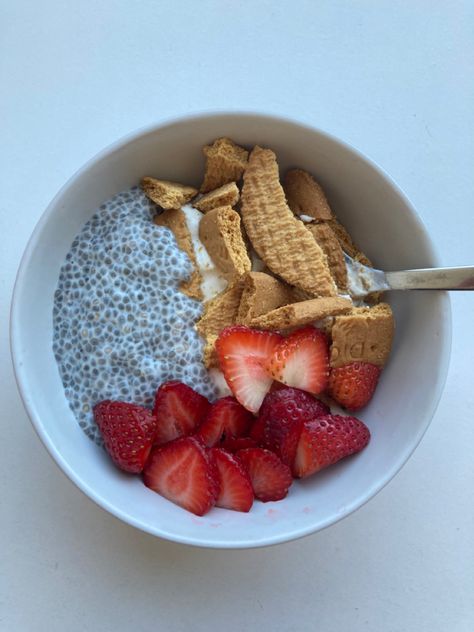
(392, 78)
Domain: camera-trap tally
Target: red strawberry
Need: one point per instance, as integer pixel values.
(326, 440)
(270, 477)
(235, 487)
(257, 431)
(352, 385)
(183, 472)
(178, 411)
(242, 353)
(239, 443)
(128, 433)
(226, 418)
(283, 413)
(302, 360)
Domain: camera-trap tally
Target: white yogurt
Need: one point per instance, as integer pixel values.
(363, 280)
(212, 281)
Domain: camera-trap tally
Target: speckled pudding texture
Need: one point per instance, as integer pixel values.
(121, 326)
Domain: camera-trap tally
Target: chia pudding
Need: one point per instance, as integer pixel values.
(121, 325)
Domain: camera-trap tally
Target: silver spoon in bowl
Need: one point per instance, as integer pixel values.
(363, 280)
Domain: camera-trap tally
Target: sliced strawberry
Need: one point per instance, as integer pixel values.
(257, 432)
(302, 360)
(243, 353)
(178, 411)
(128, 432)
(235, 487)
(282, 414)
(226, 418)
(184, 473)
(352, 385)
(326, 440)
(239, 443)
(270, 477)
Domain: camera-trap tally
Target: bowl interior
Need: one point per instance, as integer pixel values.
(380, 220)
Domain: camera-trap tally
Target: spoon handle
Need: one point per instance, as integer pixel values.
(432, 279)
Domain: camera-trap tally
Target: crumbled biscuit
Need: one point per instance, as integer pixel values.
(225, 162)
(226, 195)
(167, 194)
(349, 247)
(346, 242)
(175, 220)
(210, 357)
(331, 247)
(305, 196)
(281, 240)
(298, 314)
(261, 293)
(219, 312)
(221, 234)
(364, 335)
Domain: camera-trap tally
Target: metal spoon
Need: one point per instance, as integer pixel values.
(363, 280)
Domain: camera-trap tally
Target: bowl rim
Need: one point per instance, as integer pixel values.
(20, 372)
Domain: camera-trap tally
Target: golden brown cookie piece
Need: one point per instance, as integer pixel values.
(281, 240)
(305, 196)
(219, 312)
(298, 314)
(261, 293)
(167, 194)
(221, 234)
(226, 195)
(331, 247)
(346, 242)
(364, 335)
(210, 357)
(225, 162)
(175, 220)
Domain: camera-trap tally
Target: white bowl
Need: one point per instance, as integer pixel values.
(380, 219)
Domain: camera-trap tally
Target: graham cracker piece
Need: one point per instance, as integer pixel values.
(226, 195)
(305, 196)
(210, 357)
(175, 220)
(298, 314)
(167, 194)
(261, 293)
(225, 162)
(346, 242)
(221, 234)
(219, 312)
(364, 335)
(281, 240)
(331, 247)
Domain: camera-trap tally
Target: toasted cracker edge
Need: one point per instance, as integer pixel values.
(303, 313)
(175, 220)
(167, 194)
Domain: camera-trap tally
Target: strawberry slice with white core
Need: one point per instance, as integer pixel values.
(243, 354)
(182, 471)
(178, 410)
(236, 490)
(302, 360)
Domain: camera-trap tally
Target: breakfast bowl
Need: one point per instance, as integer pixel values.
(380, 219)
